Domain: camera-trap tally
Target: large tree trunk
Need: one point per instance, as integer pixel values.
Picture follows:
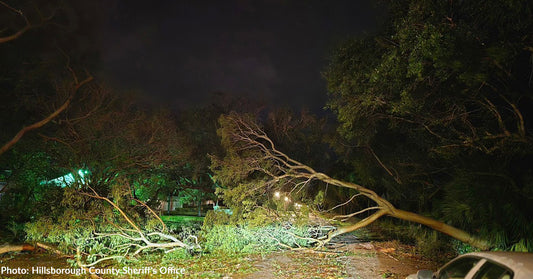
(386, 208)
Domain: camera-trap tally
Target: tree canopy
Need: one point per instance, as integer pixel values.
(435, 109)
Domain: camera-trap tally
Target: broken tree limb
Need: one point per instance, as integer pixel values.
(19, 32)
(28, 247)
(136, 239)
(246, 135)
(50, 248)
(6, 248)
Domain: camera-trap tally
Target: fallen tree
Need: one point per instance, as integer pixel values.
(132, 239)
(108, 232)
(248, 145)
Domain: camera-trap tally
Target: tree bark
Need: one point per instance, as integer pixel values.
(388, 209)
(15, 248)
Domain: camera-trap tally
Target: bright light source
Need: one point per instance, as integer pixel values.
(287, 199)
(277, 194)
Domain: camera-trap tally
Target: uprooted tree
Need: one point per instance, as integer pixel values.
(251, 153)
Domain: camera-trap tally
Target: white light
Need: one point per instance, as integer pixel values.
(277, 195)
(286, 199)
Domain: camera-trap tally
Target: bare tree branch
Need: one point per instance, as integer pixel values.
(47, 119)
(136, 238)
(344, 203)
(394, 176)
(348, 216)
(153, 213)
(21, 31)
(27, 25)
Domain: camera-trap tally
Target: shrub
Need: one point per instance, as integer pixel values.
(248, 239)
(253, 228)
(427, 242)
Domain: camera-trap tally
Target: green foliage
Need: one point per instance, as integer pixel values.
(269, 213)
(25, 196)
(67, 235)
(258, 230)
(523, 245)
(181, 219)
(319, 198)
(434, 113)
(128, 150)
(213, 218)
(248, 239)
(91, 225)
(488, 214)
(241, 170)
(462, 248)
(94, 236)
(183, 226)
(176, 255)
(16, 229)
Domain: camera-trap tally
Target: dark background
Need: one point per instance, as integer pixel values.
(180, 52)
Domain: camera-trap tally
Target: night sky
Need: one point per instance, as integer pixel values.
(181, 52)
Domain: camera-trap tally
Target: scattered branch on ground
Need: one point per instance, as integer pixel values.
(133, 239)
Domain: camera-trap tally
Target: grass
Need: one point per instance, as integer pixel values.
(181, 218)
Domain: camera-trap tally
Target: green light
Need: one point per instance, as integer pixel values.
(68, 179)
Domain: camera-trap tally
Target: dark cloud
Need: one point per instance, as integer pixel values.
(182, 51)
